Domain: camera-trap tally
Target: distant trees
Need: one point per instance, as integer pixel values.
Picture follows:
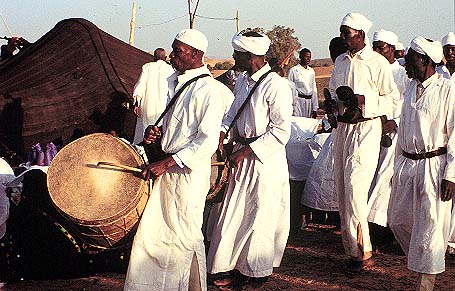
(283, 42)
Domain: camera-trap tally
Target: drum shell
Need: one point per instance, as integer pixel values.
(108, 227)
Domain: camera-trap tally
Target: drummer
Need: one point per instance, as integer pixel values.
(168, 249)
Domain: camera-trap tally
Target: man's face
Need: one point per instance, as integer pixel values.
(352, 37)
(449, 53)
(384, 49)
(182, 56)
(306, 58)
(242, 60)
(414, 64)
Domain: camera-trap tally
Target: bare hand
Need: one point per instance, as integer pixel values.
(389, 126)
(136, 111)
(157, 169)
(151, 134)
(314, 114)
(447, 190)
(239, 155)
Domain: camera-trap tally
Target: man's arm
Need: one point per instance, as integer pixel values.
(447, 184)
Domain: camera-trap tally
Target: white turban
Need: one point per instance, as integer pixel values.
(449, 39)
(386, 36)
(399, 46)
(433, 49)
(357, 21)
(193, 38)
(257, 45)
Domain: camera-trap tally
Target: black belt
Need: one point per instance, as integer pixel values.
(305, 96)
(246, 140)
(427, 155)
(340, 118)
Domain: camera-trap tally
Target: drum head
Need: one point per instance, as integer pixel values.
(91, 194)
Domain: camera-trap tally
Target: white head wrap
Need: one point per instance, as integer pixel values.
(399, 46)
(193, 38)
(256, 45)
(386, 36)
(357, 21)
(449, 39)
(433, 49)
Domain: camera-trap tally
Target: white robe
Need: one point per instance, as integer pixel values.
(381, 187)
(169, 233)
(356, 148)
(417, 216)
(253, 227)
(150, 93)
(305, 83)
(320, 191)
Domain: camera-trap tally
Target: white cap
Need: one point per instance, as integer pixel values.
(357, 21)
(193, 38)
(449, 39)
(257, 45)
(386, 36)
(433, 49)
(399, 46)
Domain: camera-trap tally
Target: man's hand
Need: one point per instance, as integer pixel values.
(221, 143)
(239, 155)
(314, 114)
(136, 111)
(447, 190)
(389, 126)
(151, 134)
(158, 168)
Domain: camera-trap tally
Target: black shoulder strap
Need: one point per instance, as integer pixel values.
(239, 112)
(179, 92)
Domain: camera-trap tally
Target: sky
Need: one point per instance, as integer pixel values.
(157, 22)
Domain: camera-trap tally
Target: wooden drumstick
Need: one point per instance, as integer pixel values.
(217, 164)
(119, 166)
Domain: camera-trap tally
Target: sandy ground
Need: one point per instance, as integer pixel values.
(313, 260)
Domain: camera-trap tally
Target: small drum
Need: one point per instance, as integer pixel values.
(218, 178)
(102, 205)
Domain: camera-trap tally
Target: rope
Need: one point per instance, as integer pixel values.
(214, 18)
(167, 21)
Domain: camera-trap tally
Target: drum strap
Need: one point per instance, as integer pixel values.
(239, 112)
(179, 92)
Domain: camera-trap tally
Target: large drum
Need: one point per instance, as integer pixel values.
(101, 204)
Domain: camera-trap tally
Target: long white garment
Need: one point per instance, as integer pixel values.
(169, 233)
(320, 191)
(245, 238)
(381, 187)
(356, 150)
(446, 74)
(150, 93)
(302, 149)
(305, 83)
(417, 216)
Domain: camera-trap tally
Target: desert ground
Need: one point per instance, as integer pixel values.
(313, 260)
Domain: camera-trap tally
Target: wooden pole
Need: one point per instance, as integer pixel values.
(6, 25)
(237, 20)
(133, 24)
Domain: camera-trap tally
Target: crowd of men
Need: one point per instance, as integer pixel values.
(390, 151)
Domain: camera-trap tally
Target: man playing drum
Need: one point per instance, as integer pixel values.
(168, 249)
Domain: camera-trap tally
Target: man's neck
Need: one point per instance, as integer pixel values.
(451, 67)
(355, 50)
(256, 66)
(304, 65)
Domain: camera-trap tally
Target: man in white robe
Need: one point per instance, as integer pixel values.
(356, 150)
(303, 76)
(422, 185)
(448, 71)
(384, 43)
(245, 238)
(150, 93)
(168, 250)
(448, 46)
